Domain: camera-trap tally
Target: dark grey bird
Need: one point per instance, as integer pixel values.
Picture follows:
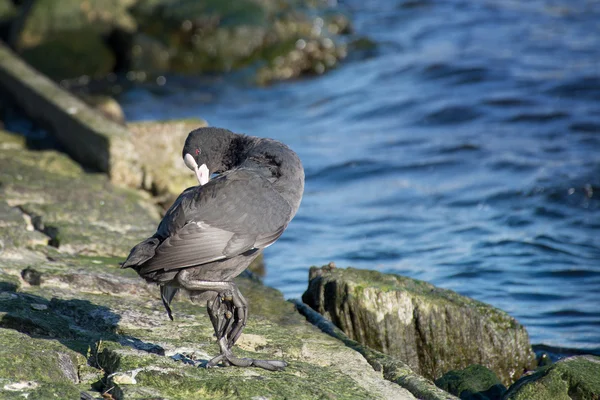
(213, 231)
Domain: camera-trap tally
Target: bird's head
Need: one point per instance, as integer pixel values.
(205, 151)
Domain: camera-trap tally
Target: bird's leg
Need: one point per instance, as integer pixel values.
(228, 313)
(219, 315)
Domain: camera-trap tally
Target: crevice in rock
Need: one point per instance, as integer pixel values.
(393, 369)
(31, 276)
(108, 362)
(37, 223)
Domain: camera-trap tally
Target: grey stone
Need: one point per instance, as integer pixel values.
(433, 330)
(89, 138)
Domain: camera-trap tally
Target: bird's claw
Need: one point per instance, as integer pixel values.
(226, 358)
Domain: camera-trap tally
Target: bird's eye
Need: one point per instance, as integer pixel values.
(197, 152)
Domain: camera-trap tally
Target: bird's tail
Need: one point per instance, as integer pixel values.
(167, 293)
(141, 253)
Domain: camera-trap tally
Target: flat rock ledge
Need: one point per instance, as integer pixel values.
(89, 137)
(143, 155)
(72, 323)
(432, 330)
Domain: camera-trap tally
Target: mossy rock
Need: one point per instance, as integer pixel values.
(433, 330)
(72, 304)
(571, 378)
(119, 337)
(50, 26)
(37, 368)
(7, 10)
(76, 211)
(88, 55)
(475, 382)
(215, 36)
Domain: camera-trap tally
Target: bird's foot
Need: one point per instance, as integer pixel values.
(228, 313)
(226, 358)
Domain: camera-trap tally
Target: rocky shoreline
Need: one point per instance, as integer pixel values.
(74, 325)
(149, 39)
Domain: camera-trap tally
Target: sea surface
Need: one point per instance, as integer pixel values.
(463, 150)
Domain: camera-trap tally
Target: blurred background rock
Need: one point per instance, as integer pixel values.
(146, 39)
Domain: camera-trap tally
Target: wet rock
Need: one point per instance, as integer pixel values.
(48, 27)
(156, 37)
(431, 329)
(571, 378)
(475, 382)
(223, 36)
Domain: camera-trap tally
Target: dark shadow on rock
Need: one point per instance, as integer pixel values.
(80, 325)
(77, 324)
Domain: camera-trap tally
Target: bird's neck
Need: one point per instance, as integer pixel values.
(235, 151)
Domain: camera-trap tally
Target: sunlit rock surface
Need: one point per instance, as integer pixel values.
(433, 330)
(72, 321)
(160, 143)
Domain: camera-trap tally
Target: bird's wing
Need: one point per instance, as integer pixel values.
(228, 216)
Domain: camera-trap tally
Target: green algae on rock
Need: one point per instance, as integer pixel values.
(48, 27)
(570, 378)
(393, 370)
(433, 330)
(215, 36)
(78, 212)
(161, 36)
(475, 382)
(77, 323)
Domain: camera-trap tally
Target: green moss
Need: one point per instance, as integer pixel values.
(88, 55)
(49, 364)
(473, 382)
(571, 378)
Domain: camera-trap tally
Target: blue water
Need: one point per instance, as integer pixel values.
(464, 151)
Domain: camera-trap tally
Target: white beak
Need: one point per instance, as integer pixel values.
(202, 172)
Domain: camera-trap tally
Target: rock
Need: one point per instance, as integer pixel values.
(393, 369)
(71, 320)
(91, 139)
(107, 105)
(475, 382)
(36, 368)
(49, 200)
(165, 174)
(570, 378)
(7, 10)
(220, 37)
(277, 39)
(48, 27)
(433, 330)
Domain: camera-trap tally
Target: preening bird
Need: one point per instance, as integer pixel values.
(213, 231)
